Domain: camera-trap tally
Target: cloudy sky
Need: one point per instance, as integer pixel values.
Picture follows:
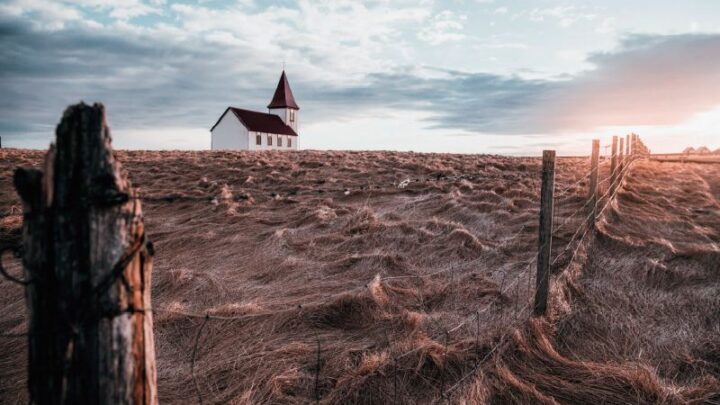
(491, 76)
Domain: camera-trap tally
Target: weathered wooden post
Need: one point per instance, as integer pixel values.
(627, 147)
(88, 264)
(594, 164)
(545, 233)
(613, 164)
(621, 159)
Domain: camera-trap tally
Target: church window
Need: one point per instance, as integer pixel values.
(269, 140)
(279, 140)
(292, 115)
(258, 140)
(289, 142)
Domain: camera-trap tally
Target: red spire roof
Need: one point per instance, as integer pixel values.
(283, 97)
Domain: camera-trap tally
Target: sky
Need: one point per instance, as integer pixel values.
(471, 76)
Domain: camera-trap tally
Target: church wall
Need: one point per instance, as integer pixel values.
(229, 134)
(280, 112)
(264, 144)
(284, 114)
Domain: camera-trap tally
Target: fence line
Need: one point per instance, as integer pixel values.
(615, 177)
(606, 204)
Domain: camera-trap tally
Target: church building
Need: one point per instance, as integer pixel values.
(240, 129)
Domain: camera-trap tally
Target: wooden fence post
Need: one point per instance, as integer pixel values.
(594, 164)
(627, 147)
(621, 158)
(88, 265)
(613, 164)
(545, 237)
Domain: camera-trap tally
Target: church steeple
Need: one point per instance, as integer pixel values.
(283, 97)
(283, 104)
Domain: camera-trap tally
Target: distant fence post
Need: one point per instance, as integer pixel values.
(613, 164)
(621, 157)
(627, 147)
(594, 165)
(90, 328)
(545, 236)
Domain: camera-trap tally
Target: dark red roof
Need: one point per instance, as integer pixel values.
(259, 122)
(283, 97)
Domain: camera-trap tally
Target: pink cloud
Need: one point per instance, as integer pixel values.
(650, 81)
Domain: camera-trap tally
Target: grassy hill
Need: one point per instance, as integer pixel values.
(407, 278)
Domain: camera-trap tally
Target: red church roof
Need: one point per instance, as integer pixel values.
(259, 122)
(283, 97)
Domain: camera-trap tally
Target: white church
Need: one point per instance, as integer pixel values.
(240, 129)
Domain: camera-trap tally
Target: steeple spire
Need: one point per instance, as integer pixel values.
(283, 97)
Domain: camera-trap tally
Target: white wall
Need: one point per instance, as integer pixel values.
(229, 133)
(284, 114)
(264, 141)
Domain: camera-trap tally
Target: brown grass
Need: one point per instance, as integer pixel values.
(288, 249)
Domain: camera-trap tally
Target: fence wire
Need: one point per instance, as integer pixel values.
(574, 243)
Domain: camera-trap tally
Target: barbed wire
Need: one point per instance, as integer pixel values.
(334, 296)
(561, 193)
(585, 223)
(492, 350)
(446, 331)
(571, 261)
(569, 219)
(194, 354)
(620, 169)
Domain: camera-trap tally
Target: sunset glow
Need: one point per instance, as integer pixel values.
(371, 202)
(464, 76)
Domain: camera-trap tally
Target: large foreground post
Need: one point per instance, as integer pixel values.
(88, 266)
(545, 236)
(594, 164)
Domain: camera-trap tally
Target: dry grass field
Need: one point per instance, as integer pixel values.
(412, 273)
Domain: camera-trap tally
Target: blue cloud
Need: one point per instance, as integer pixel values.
(151, 82)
